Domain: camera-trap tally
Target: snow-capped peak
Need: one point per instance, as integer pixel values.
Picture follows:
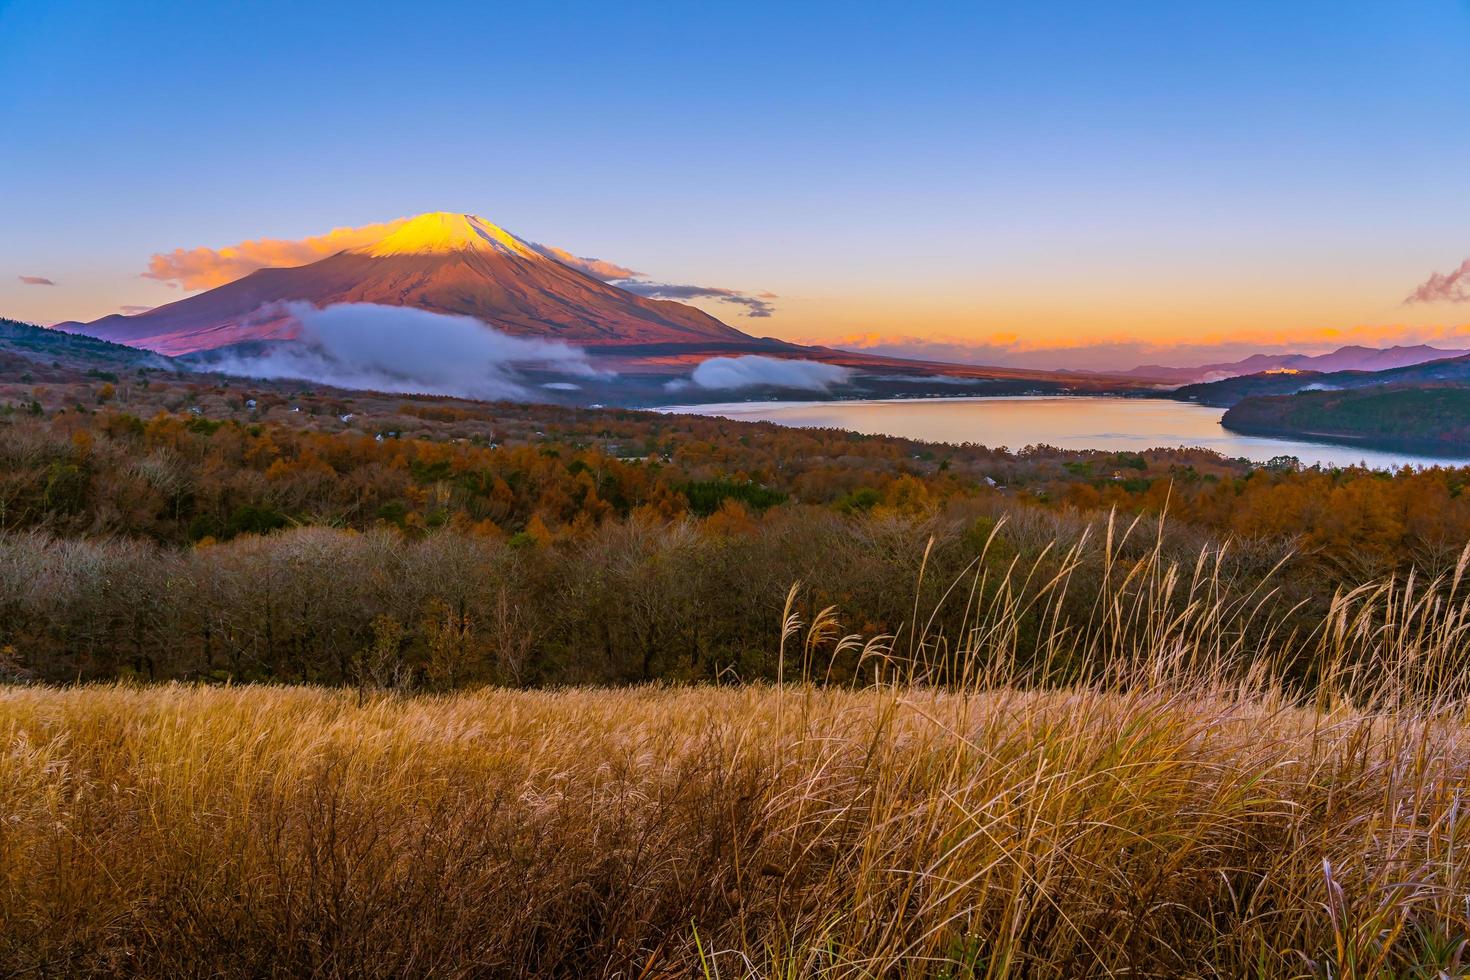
(444, 231)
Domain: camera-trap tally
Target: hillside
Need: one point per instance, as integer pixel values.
(41, 354)
(1286, 382)
(1426, 418)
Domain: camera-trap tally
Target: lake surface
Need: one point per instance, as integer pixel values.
(1066, 422)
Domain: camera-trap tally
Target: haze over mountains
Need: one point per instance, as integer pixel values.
(1452, 370)
(1350, 358)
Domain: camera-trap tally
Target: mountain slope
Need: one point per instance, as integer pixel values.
(50, 355)
(447, 263)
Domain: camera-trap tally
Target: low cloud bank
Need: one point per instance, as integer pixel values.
(754, 371)
(397, 348)
(935, 379)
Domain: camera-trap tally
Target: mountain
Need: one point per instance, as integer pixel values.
(1351, 358)
(1288, 382)
(1356, 358)
(446, 263)
(462, 264)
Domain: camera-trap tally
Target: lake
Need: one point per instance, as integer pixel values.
(1079, 422)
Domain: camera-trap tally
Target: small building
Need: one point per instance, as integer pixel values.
(250, 403)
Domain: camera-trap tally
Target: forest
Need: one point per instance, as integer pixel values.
(1432, 418)
(188, 531)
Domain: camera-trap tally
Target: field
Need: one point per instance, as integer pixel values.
(333, 684)
(1157, 795)
(279, 831)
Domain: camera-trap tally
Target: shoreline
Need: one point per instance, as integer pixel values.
(1416, 447)
(1301, 445)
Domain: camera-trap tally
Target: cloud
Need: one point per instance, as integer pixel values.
(36, 281)
(134, 310)
(398, 348)
(1448, 287)
(938, 379)
(205, 268)
(754, 371)
(756, 304)
(596, 268)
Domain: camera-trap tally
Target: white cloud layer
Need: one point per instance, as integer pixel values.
(398, 348)
(754, 371)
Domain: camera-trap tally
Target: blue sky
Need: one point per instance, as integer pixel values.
(1002, 174)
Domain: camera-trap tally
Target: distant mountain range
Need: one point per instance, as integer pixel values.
(1352, 358)
(1288, 382)
(1420, 407)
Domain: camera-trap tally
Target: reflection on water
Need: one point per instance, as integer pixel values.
(1066, 422)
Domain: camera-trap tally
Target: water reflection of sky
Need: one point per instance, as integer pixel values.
(1068, 423)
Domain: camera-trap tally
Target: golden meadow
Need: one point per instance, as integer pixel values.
(1138, 771)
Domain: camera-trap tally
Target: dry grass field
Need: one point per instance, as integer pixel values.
(184, 831)
(1181, 808)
